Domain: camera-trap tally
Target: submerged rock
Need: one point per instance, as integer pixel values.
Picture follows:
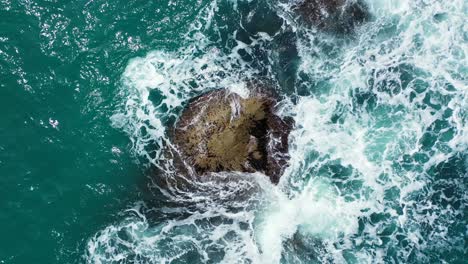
(221, 131)
(332, 15)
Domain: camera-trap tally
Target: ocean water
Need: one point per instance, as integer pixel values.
(90, 88)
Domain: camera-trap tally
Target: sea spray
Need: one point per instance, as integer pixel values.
(378, 155)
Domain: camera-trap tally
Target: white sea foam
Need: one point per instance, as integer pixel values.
(352, 184)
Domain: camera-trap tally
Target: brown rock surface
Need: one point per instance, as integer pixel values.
(332, 15)
(221, 131)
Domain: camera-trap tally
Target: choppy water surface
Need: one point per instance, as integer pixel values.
(378, 169)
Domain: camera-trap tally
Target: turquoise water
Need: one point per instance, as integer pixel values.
(378, 169)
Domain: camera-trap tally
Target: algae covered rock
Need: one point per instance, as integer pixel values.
(332, 15)
(221, 131)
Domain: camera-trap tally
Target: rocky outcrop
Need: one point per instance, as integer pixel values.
(332, 15)
(221, 131)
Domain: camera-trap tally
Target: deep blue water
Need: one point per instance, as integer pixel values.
(90, 89)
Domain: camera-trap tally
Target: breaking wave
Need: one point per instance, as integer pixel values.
(378, 163)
